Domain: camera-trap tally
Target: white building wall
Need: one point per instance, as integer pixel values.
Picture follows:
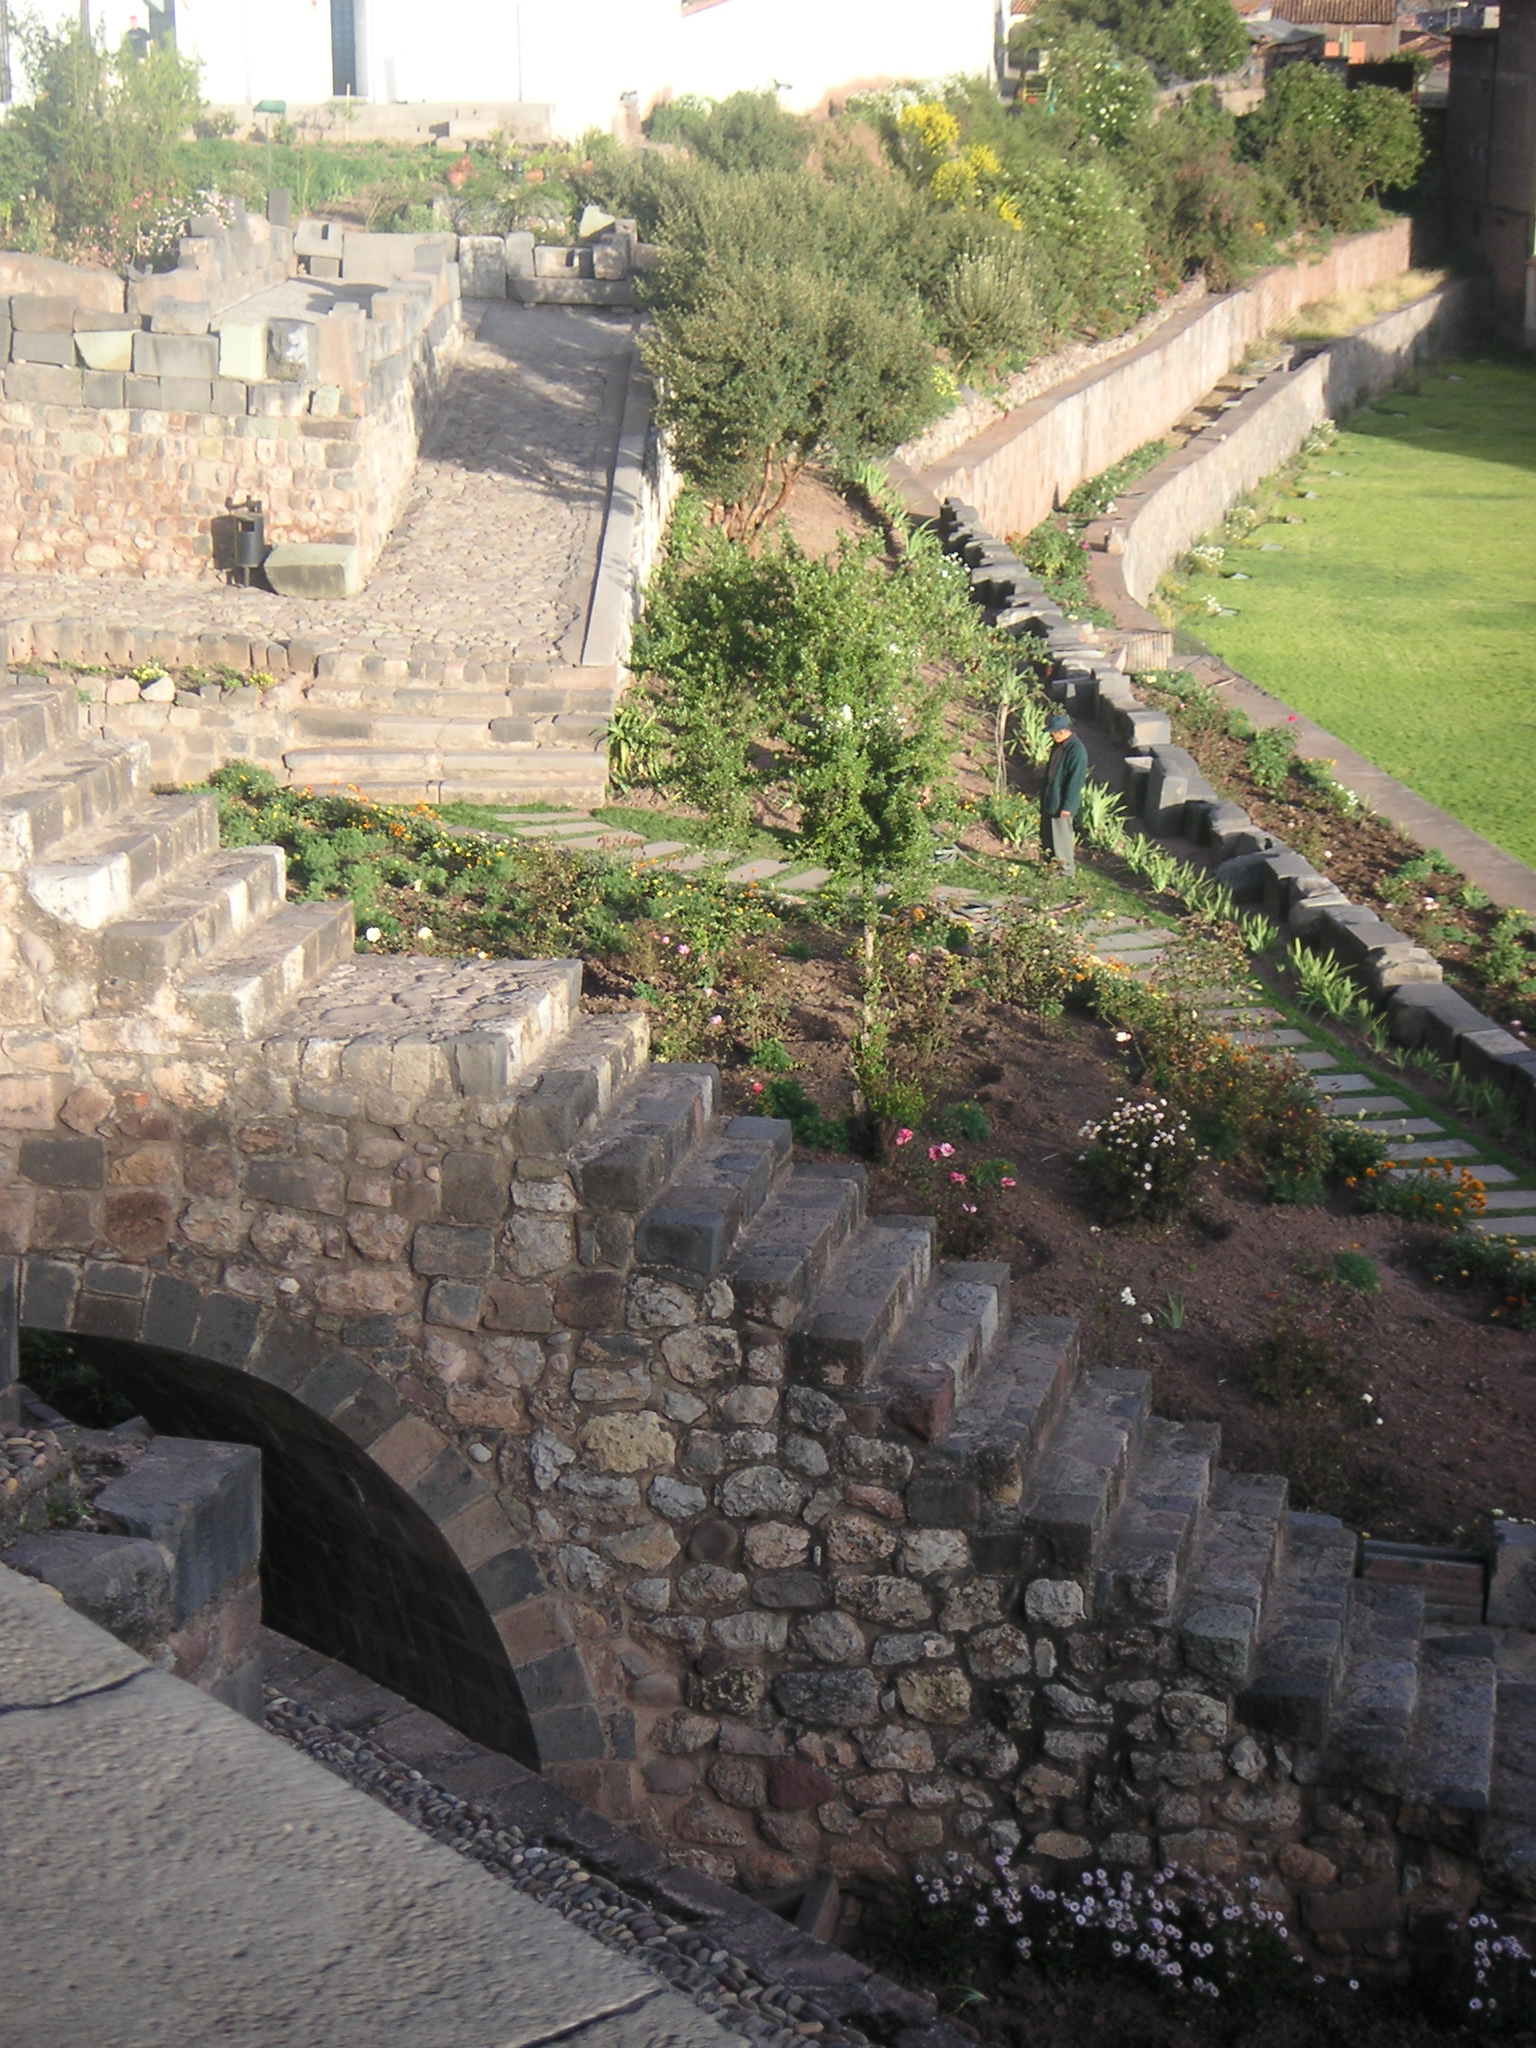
(581, 56)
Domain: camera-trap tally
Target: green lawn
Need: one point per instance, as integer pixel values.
(1401, 612)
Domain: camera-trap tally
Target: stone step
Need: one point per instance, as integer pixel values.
(1371, 1721)
(1231, 1567)
(189, 919)
(1508, 1847)
(269, 968)
(1018, 1396)
(1345, 1084)
(1364, 1106)
(795, 1237)
(384, 1033)
(721, 1185)
(1450, 1755)
(1505, 1226)
(76, 789)
(1082, 1468)
(1301, 1640)
(98, 876)
(563, 1091)
(35, 723)
(757, 870)
(648, 1132)
(935, 1360)
(1440, 1148)
(1498, 1201)
(1453, 1583)
(841, 1338)
(1313, 1062)
(1284, 1035)
(1149, 1540)
(1391, 1129)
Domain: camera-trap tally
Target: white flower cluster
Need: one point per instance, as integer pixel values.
(1489, 1949)
(1186, 1929)
(1140, 1136)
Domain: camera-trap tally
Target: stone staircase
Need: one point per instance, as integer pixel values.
(978, 1545)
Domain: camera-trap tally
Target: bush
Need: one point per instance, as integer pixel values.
(1446, 1196)
(96, 144)
(1497, 1264)
(806, 678)
(987, 312)
(1141, 1160)
(771, 364)
(1329, 148)
(1356, 1271)
(749, 131)
(1182, 38)
(1270, 753)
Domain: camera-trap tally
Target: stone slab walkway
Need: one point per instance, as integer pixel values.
(495, 551)
(173, 1874)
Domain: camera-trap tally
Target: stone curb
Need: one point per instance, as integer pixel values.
(1403, 979)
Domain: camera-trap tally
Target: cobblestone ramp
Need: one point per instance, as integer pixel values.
(493, 554)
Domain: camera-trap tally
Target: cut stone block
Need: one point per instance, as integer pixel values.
(755, 870)
(519, 254)
(292, 351)
(181, 316)
(57, 348)
(176, 355)
(482, 266)
(1512, 1591)
(314, 569)
(106, 349)
(243, 351)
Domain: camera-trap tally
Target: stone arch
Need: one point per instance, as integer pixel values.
(444, 1604)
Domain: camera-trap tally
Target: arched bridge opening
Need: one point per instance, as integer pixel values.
(352, 1566)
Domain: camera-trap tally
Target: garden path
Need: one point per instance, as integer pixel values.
(494, 554)
(1150, 953)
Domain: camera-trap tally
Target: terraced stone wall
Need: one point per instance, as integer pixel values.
(1023, 465)
(126, 434)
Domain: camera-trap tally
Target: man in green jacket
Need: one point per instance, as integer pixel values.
(1066, 770)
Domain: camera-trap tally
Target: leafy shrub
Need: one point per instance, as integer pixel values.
(96, 144)
(1442, 1194)
(1329, 148)
(805, 678)
(987, 313)
(637, 746)
(1354, 1149)
(748, 131)
(1140, 1160)
(785, 1097)
(1030, 961)
(1270, 753)
(1355, 1270)
(1471, 1261)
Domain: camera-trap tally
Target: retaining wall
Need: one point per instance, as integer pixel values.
(128, 429)
(1190, 493)
(1016, 472)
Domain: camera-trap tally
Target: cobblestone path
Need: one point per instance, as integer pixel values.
(494, 553)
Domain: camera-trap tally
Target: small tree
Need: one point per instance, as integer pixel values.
(769, 364)
(1330, 148)
(96, 140)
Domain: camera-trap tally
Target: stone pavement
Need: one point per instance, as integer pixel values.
(495, 550)
(174, 1874)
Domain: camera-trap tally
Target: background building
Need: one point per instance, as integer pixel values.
(593, 63)
(1490, 159)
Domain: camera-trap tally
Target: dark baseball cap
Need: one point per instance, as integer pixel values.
(1058, 722)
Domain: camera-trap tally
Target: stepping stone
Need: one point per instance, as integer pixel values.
(1285, 1037)
(1443, 1148)
(561, 829)
(661, 849)
(1488, 1175)
(756, 870)
(1505, 1226)
(806, 884)
(1401, 1127)
(1365, 1105)
(696, 861)
(1500, 1200)
(1254, 1016)
(1345, 1084)
(602, 842)
(1313, 1062)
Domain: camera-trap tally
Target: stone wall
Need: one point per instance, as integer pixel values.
(165, 1554)
(1019, 469)
(1160, 518)
(126, 435)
